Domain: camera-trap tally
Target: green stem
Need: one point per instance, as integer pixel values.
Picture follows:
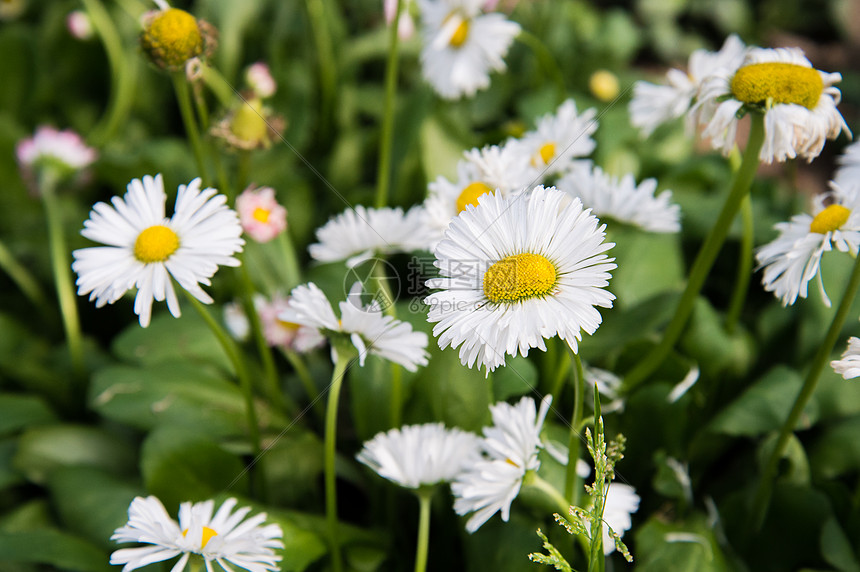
(304, 376)
(745, 267)
(122, 74)
(424, 497)
(571, 481)
(822, 356)
(561, 373)
(396, 394)
(532, 480)
(706, 257)
(380, 281)
(270, 373)
(546, 60)
(235, 355)
(325, 60)
(23, 279)
(383, 172)
(62, 273)
(330, 442)
(290, 260)
(183, 98)
(244, 167)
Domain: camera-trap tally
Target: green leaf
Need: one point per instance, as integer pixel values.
(292, 466)
(518, 377)
(170, 339)
(764, 406)
(18, 411)
(8, 475)
(717, 352)
(837, 451)
(678, 547)
(54, 548)
(836, 548)
(91, 502)
(44, 449)
(179, 464)
(176, 393)
(648, 264)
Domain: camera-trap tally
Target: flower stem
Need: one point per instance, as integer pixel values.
(424, 497)
(122, 74)
(765, 488)
(62, 273)
(561, 373)
(571, 488)
(546, 60)
(326, 62)
(706, 256)
(745, 266)
(329, 461)
(532, 480)
(383, 172)
(235, 355)
(304, 375)
(22, 277)
(183, 98)
(290, 260)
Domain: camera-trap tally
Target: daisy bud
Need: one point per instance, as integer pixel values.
(171, 37)
(79, 25)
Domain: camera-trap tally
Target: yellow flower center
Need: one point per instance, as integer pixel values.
(288, 325)
(248, 123)
(778, 83)
(173, 37)
(460, 35)
(207, 535)
(830, 219)
(470, 195)
(519, 277)
(544, 154)
(155, 244)
(262, 215)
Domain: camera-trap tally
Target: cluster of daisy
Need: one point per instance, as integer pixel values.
(798, 102)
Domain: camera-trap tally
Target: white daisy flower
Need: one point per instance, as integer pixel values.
(367, 328)
(225, 538)
(145, 249)
(559, 140)
(515, 271)
(793, 258)
(483, 171)
(360, 233)
(653, 104)
(848, 173)
(798, 103)
(462, 45)
(511, 446)
(849, 366)
(622, 199)
(418, 455)
(621, 502)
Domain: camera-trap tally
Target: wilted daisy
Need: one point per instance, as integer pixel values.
(848, 173)
(418, 455)
(144, 249)
(367, 328)
(462, 45)
(249, 125)
(793, 258)
(261, 216)
(560, 140)
(172, 36)
(849, 366)
(515, 271)
(798, 103)
(511, 446)
(653, 104)
(482, 171)
(622, 199)
(225, 538)
(358, 234)
(63, 153)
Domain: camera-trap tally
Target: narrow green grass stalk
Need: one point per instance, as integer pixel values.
(547, 62)
(329, 460)
(23, 279)
(383, 172)
(571, 481)
(819, 362)
(326, 62)
(235, 356)
(122, 74)
(532, 480)
(270, 373)
(183, 98)
(63, 281)
(290, 259)
(424, 497)
(305, 377)
(745, 267)
(706, 256)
